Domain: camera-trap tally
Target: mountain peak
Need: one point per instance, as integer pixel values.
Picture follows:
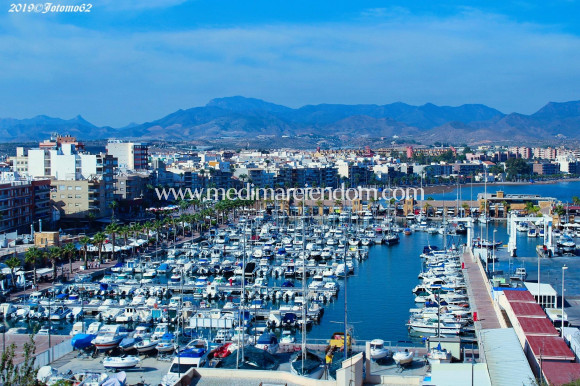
(244, 104)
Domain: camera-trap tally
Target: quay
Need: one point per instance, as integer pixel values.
(479, 293)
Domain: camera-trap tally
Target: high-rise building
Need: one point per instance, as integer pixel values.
(130, 155)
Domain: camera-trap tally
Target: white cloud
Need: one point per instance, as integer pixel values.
(117, 78)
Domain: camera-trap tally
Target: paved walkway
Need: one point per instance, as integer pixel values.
(479, 298)
(76, 265)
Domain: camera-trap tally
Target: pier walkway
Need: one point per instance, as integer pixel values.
(479, 296)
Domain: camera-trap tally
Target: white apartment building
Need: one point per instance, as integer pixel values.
(130, 155)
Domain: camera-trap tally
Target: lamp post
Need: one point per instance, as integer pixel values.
(493, 250)
(564, 268)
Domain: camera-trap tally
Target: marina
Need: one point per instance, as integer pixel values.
(277, 288)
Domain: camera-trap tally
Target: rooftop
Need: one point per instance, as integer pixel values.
(559, 373)
(537, 326)
(545, 289)
(506, 362)
(528, 310)
(517, 296)
(550, 347)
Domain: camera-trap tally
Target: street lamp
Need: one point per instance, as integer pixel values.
(493, 249)
(564, 268)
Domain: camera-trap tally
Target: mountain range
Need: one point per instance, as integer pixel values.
(240, 117)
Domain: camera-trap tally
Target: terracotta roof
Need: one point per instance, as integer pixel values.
(560, 373)
(528, 309)
(537, 326)
(516, 296)
(550, 347)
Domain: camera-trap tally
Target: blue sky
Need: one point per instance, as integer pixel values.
(137, 60)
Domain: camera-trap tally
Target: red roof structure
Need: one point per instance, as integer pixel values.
(528, 310)
(549, 348)
(537, 327)
(560, 373)
(519, 296)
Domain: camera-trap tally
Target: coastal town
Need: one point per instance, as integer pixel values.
(112, 275)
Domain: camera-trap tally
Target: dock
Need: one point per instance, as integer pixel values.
(478, 291)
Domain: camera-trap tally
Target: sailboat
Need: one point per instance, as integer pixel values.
(304, 362)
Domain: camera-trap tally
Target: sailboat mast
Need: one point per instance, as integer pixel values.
(303, 286)
(345, 346)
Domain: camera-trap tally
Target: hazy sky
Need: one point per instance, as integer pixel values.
(137, 60)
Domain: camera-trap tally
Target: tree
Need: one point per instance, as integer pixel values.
(113, 205)
(23, 374)
(560, 210)
(112, 229)
(69, 250)
(31, 256)
(53, 254)
(13, 263)
(99, 240)
(576, 200)
(516, 167)
(85, 241)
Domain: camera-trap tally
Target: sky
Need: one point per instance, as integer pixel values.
(139, 60)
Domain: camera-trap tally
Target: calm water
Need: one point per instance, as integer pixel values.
(562, 191)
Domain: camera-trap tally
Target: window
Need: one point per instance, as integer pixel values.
(61, 187)
(69, 187)
(70, 196)
(62, 196)
(78, 188)
(78, 196)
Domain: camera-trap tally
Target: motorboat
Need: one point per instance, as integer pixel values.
(438, 355)
(287, 337)
(268, 342)
(78, 328)
(223, 335)
(60, 313)
(121, 363)
(520, 274)
(82, 341)
(142, 332)
(94, 328)
(166, 344)
(378, 349)
(307, 364)
(224, 351)
(128, 343)
(108, 337)
(403, 358)
(145, 346)
(185, 360)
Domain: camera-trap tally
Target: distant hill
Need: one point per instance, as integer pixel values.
(41, 127)
(240, 117)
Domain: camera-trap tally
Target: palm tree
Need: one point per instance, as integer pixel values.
(338, 203)
(112, 229)
(53, 254)
(31, 256)
(85, 241)
(13, 263)
(69, 250)
(124, 231)
(113, 205)
(99, 239)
